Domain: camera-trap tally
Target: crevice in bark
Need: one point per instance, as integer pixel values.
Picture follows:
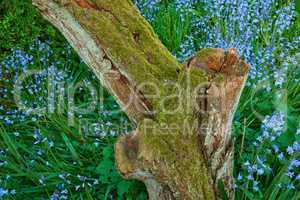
(90, 5)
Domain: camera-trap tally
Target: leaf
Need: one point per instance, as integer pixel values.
(123, 187)
(142, 196)
(104, 169)
(222, 190)
(71, 148)
(248, 194)
(107, 152)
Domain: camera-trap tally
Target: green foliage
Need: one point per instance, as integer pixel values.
(171, 25)
(20, 24)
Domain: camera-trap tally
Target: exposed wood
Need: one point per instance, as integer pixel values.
(182, 145)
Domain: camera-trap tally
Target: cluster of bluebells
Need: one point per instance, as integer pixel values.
(22, 66)
(78, 182)
(272, 127)
(39, 146)
(48, 74)
(4, 192)
(47, 82)
(44, 80)
(241, 24)
(147, 7)
(293, 170)
(272, 156)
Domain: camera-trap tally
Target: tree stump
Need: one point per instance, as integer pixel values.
(182, 146)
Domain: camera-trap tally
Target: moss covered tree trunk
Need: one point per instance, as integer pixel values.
(182, 146)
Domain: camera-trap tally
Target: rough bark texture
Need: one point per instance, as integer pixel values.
(180, 154)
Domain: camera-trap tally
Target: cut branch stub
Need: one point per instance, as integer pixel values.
(228, 75)
(174, 154)
(180, 154)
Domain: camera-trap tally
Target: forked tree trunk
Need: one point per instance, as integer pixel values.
(182, 145)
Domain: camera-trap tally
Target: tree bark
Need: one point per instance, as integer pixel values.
(182, 145)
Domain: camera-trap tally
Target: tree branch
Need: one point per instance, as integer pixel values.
(118, 45)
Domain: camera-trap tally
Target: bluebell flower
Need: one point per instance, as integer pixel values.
(280, 156)
(40, 152)
(255, 186)
(54, 196)
(250, 177)
(247, 163)
(290, 174)
(3, 163)
(42, 180)
(260, 171)
(260, 139)
(3, 192)
(17, 134)
(275, 147)
(13, 192)
(298, 130)
(50, 143)
(295, 163)
(296, 146)
(96, 182)
(290, 186)
(298, 178)
(77, 187)
(240, 177)
(290, 150)
(81, 178)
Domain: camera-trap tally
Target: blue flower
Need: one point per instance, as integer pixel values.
(298, 130)
(260, 171)
(3, 192)
(290, 174)
(298, 178)
(280, 156)
(247, 163)
(275, 147)
(275, 123)
(296, 146)
(255, 186)
(290, 150)
(37, 136)
(290, 186)
(13, 192)
(240, 177)
(295, 163)
(250, 177)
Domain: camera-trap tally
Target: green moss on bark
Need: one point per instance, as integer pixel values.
(175, 159)
(128, 39)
